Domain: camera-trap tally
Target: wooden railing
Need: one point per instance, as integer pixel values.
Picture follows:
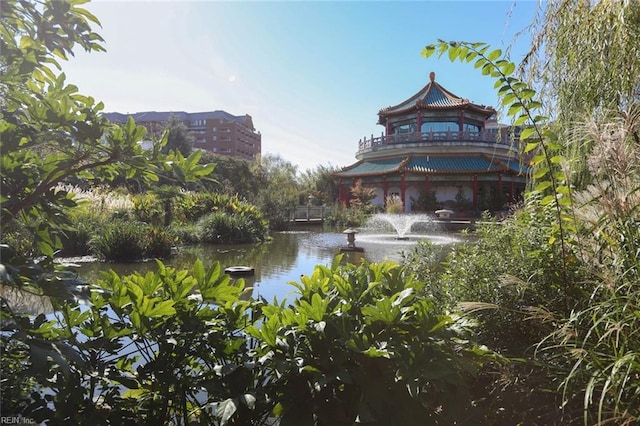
(431, 137)
(303, 214)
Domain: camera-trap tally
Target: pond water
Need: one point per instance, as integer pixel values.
(285, 258)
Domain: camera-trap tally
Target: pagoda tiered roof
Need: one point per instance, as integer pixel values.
(433, 97)
(425, 164)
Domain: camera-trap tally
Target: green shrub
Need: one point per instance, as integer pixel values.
(224, 228)
(18, 236)
(85, 223)
(393, 204)
(244, 219)
(361, 344)
(346, 217)
(121, 241)
(185, 346)
(163, 348)
(161, 243)
(509, 278)
(186, 233)
(147, 208)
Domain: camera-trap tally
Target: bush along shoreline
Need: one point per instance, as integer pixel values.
(129, 233)
(176, 347)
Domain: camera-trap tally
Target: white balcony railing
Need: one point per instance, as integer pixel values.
(432, 138)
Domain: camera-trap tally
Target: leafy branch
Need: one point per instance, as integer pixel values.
(540, 143)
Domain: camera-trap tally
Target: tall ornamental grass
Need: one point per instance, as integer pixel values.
(601, 341)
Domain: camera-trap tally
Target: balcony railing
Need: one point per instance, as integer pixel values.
(431, 137)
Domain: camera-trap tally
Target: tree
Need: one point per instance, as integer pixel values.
(51, 133)
(319, 183)
(179, 137)
(279, 190)
(234, 176)
(585, 58)
(361, 195)
(583, 201)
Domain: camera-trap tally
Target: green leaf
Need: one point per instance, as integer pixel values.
(542, 186)
(428, 51)
(134, 393)
(480, 62)
(523, 118)
(542, 171)
(527, 94)
(508, 98)
(549, 199)
(471, 56)
(377, 353)
(198, 271)
(45, 248)
(531, 146)
(453, 53)
(492, 56)
(161, 309)
(508, 68)
(527, 132)
(515, 108)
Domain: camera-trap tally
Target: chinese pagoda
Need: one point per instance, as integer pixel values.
(438, 150)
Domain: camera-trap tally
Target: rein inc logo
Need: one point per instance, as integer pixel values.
(16, 420)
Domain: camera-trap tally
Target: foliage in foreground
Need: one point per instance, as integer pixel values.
(589, 232)
(174, 347)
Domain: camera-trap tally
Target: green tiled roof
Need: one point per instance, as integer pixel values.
(375, 167)
(517, 167)
(433, 97)
(437, 98)
(471, 164)
(433, 165)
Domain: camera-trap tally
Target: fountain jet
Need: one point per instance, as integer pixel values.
(400, 223)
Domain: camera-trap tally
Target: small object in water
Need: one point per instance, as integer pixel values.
(239, 271)
(351, 240)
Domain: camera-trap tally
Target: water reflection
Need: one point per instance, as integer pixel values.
(277, 262)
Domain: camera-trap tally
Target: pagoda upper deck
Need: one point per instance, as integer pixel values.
(487, 138)
(435, 120)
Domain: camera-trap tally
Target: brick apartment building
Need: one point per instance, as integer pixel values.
(214, 131)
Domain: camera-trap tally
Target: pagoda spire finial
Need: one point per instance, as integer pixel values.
(432, 76)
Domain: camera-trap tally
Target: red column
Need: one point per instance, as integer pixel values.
(387, 128)
(342, 196)
(511, 190)
(419, 129)
(403, 187)
(460, 121)
(499, 187)
(475, 192)
(385, 189)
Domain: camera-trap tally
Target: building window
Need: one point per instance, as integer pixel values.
(407, 126)
(468, 127)
(439, 126)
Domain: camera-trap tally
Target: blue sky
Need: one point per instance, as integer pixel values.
(313, 75)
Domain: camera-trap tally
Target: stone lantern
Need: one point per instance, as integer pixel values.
(351, 240)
